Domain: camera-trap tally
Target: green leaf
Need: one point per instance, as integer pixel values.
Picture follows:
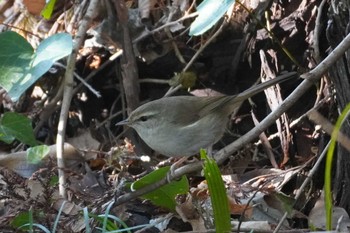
(218, 195)
(16, 126)
(165, 195)
(54, 181)
(15, 58)
(21, 219)
(21, 67)
(36, 154)
(25, 222)
(47, 11)
(6, 135)
(209, 13)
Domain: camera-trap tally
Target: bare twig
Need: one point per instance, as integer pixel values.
(68, 90)
(84, 82)
(266, 144)
(143, 36)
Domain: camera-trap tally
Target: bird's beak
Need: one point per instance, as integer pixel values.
(123, 122)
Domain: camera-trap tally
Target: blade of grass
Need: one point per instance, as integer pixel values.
(218, 195)
(328, 170)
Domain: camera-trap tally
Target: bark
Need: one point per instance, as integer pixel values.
(128, 61)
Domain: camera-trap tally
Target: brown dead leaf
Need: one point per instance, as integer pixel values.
(239, 209)
(34, 6)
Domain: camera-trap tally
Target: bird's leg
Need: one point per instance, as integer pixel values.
(210, 151)
(171, 174)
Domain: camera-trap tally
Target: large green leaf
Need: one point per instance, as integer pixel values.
(16, 126)
(15, 58)
(36, 154)
(21, 67)
(165, 195)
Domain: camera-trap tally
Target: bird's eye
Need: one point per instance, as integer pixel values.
(143, 118)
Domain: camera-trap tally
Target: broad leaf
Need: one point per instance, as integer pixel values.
(165, 195)
(16, 126)
(36, 154)
(21, 67)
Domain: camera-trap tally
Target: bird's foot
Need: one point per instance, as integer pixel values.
(171, 176)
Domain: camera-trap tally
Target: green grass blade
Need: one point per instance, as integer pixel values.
(328, 169)
(218, 195)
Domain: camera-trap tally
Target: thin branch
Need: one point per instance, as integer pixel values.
(68, 91)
